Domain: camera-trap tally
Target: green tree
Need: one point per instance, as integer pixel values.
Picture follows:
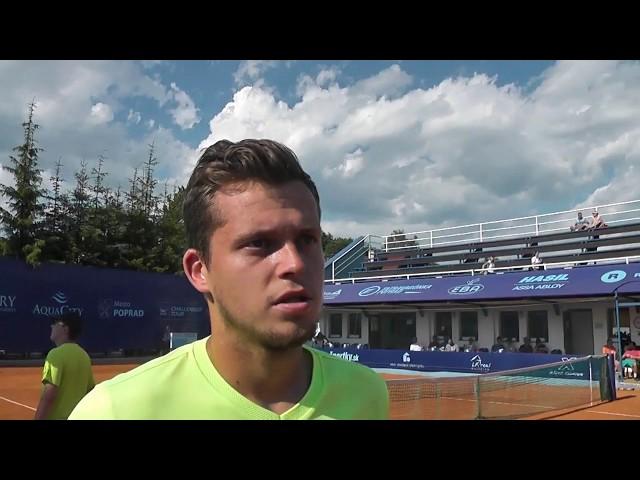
(332, 245)
(21, 219)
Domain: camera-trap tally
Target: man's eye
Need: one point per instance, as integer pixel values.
(258, 243)
(309, 239)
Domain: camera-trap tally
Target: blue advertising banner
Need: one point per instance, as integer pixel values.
(464, 362)
(569, 282)
(120, 309)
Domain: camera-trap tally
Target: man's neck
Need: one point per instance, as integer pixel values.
(275, 380)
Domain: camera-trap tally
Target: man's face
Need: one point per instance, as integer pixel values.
(266, 266)
(580, 216)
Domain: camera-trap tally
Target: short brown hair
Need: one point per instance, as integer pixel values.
(226, 162)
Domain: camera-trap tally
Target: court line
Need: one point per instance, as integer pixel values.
(612, 413)
(500, 403)
(17, 403)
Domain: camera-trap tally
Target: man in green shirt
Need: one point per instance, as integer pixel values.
(252, 218)
(67, 375)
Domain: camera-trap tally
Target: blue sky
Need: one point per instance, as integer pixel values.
(391, 144)
(212, 84)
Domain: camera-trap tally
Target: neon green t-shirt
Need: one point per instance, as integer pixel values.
(69, 368)
(184, 384)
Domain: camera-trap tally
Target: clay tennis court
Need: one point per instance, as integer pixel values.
(20, 391)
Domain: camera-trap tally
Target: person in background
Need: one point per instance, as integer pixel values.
(67, 376)
(498, 347)
(415, 346)
(581, 224)
(451, 346)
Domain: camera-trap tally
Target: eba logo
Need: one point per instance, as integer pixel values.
(470, 288)
(613, 276)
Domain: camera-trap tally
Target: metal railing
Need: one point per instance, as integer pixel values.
(613, 214)
(345, 258)
(481, 271)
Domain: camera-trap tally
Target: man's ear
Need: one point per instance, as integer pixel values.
(195, 270)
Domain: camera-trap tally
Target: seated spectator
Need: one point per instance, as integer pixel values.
(596, 221)
(541, 347)
(581, 224)
(609, 348)
(509, 344)
(433, 345)
(415, 346)
(498, 346)
(536, 262)
(630, 362)
(526, 346)
(318, 339)
(451, 346)
(326, 343)
(556, 351)
(471, 346)
(489, 265)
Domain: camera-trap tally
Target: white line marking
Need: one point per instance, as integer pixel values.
(611, 413)
(17, 403)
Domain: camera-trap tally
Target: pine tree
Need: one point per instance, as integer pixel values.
(21, 219)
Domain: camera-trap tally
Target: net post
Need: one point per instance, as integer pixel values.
(590, 382)
(477, 389)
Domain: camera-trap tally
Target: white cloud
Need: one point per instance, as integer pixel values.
(100, 113)
(352, 164)
(185, 115)
(389, 82)
(134, 117)
(83, 109)
(622, 188)
(466, 150)
(249, 71)
(327, 76)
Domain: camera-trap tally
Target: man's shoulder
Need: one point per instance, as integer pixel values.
(345, 365)
(153, 369)
(56, 353)
(132, 394)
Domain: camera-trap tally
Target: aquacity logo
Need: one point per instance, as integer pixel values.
(469, 288)
(396, 290)
(542, 282)
(59, 308)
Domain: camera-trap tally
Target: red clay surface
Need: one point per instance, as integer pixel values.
(20, 392)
